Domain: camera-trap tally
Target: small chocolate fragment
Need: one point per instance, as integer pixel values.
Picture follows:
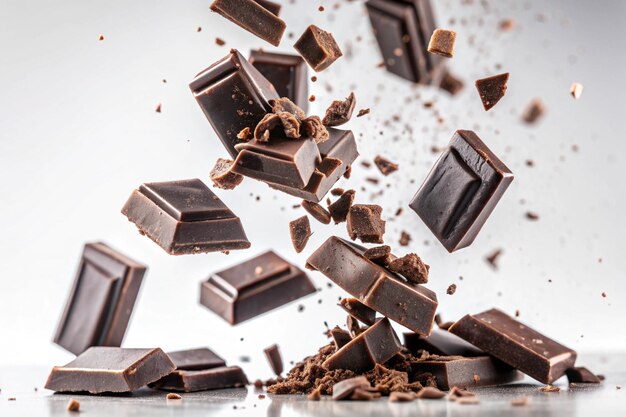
(287, 73)
(461, 190)
(430, 393)
(244, 134)
(405, 238)
(451, 289)
(492, 89)
(343, 389)
(376, 345)
(364, 223)
(576, 90)
(380, 255)
(203, 379)
(410, 267)
(253, 17)
(101, 301)
(313, 128)
(254, 287)
(340, 337)
(358, 310)
(270, 6)
(361, 394)
(385, 166)
(363, 112)
(339, 209)
(581, 375)
(290, 114)
(300, 231)
(318, 48)
(185, 217)
(315, 395)
(442, 42)
(222, 175)
(318, 212)
(195, 359)
(340, 111)
(173, 396)
(440, 342)
(110, 369)
(520, 402)
(402, 397)
(450, 83)
(534, 110)
(516, 344)
(73, 405)
(274, 358)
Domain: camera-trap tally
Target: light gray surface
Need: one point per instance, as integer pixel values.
(603, 400)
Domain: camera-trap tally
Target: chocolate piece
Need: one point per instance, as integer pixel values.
(402, 397)
(101, 301)
(300, 231)
(405, 238)
(339, 209)
(385, 166)
(492, 259)
(451, 289)
(430, 393)
(264, 128)
(354, 328)
(363, 112)
(184, 217)
(273, 8)
(274, 358)
(576, 90)
(361, 394)
(253, 17)
(73, 405)
(380, 255)
(410, 267)
(581, 375)
(173, 396)
(203, 379)
(533, 112)
(492, 89)
(195, 359)
(222, 175)
(233, 95)
(442, 42)
(377, 344)
(364, 222)
(461, 190)
(402, 29)
(318, 48)
(440, 342)
(549, 388)
(520, 402)
(340, 111)
(450, 83)
(516, 344)
(286, 72)
(412, 306)
(312, 127)
(467, 372)
(358, 310)
(345, 388)
(282, 161)
(110, 369)
(254, 287)
(340, 337)
(318, 212)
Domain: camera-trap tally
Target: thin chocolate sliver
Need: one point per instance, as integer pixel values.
(318, 212)
(300, 231)
(222, 175)
(253, 17)
(364, 222)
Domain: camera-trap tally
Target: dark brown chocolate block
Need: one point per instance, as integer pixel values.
(287, 73)
(101, 301)
(110, 369)
(274, 358)
(440, 342)
(403, 29)
(318, 48)
(203, 379)
(195, 359)
(412, 306)
(233, 95)
(492, 89)
(253, 17)
(377, 344)
(272, 7)
(461, 190)
(185, 217)
(338, 153)
(457, 371)
(364, 223)
(288, 162)
(254, 287)
(516, 344)
(581, 375)
(358, 310)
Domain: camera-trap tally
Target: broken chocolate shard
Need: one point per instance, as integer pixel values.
(254, 287)
(430, 393)
(313, 128)
(270, 6)
(340, 337)
(358, 310)
(339, 209)
(410, 267)
(364, 222)
(300, 231)
(361, 394)
(110, 369)
(222, 175)
(461, 190)
(516, 344)
(203, 379)
(318, 48)
(344, 389)
(384, 165)
(451, 289)
(376, 345)
(440, 342)
(195, 359)
(101, 300)
(442, 42)
(533, 111)
(274, 358)
(492, 89)
(402, 397)
(253, 17)
(363, 112)
(380, 255)
(318, 212)
(450, 83)
(185, 217)
(340, 111)
(581, 375)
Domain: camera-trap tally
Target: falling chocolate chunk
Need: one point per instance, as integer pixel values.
(300, 231)
(576, 90)
(442, 42)
(380, 255)
(405, 238)
(451, 289)
(340, 208)
(451, 84)
(363, 112)
(364, 223)
(385, 166)
(430, 393)
(492, 259)
(274, 358)
(318, 212)
(73, 406)
(340, 111)
(318, 48)
(220, 41)
(262, 131)
(340, 337)
(520, 402)
(411, 267)
(223, 177)
(313, 127)
(534, 110)
(581, 375)
(492, 89)
(361, 394)
(358, 310)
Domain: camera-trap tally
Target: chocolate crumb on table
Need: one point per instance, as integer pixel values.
(451, 289)
(451, 84)
(173, 396)
(315, 395)
(442, 42)
(520, 402)
(318, 48)
(492, 89)
(340, 208)
(533, 111)
(411, 267)
(405, 238)
(222, 175)
(364, 222)
(73, 405)
(550, 388)
(300, 231)
(384, 165)
(318, 212)
(576, 90)
(340, 111)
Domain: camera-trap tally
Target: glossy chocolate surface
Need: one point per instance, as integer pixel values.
(318, 48)
(203, 379)
(194, 359)
(253, 17)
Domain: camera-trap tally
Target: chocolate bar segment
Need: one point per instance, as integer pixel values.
(110, 369)
(461, 190)
(516, 344)
(253, 17)
(203, 379)
(273, 8)
(195, 359)
(101, 301)
(184, 217)
(287, 73)
(440, 342)
(233, 95)
(254, 287)
(318, 48)
(412, 306)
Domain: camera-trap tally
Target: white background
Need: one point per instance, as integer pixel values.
(78, 132)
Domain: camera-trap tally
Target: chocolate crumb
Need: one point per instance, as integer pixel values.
(101, 38)
(451, 84)
(312, 98)
(199, 29)
(532, 216)
(261, 396)
(158, 108)
(520, 402)
(550, 388)
(340, 208)
(385, 166)
(73, 405)
(348, 172)
(313, 127)
(534, 110)
(451, 289)
(300, 231)
(492, 89)
(220, 41)
(314, 78)
(173, 396)
(507, 24)
(576, 90)
(411, 267)
(492, 259)
(364, 222)
(222, 175)
(318, 212)
(244, 134)
(340, 111)
(363, 112)
(430, 393)
(442, 43)
(405, 238)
